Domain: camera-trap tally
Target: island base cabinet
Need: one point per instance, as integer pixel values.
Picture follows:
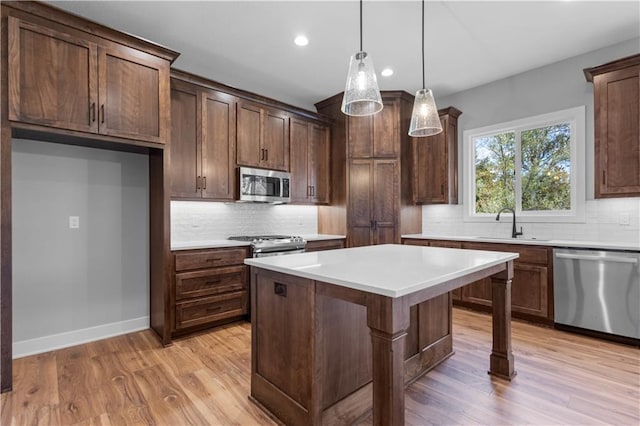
(312, 353)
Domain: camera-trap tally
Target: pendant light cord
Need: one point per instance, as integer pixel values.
(423, 85)
(361, 25)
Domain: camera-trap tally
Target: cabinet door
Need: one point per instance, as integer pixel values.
(52, 78)
(134, 94)
(479, 292)
(529, 291)
(457, 293)
(185, 154)
(299, 152)
(360, 136)
(319, 139)
(617, 133)
(386, 142)
(218, 145)
(431, 170)
(275, 140)
(359, 221)
(385, 201)
(248, 134)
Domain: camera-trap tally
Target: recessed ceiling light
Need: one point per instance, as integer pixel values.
(301, 40)
(387, 72)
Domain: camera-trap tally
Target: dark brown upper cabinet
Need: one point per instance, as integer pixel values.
(375, 136)
(435, 163)
(262, 136)
(371, 161)
(309, 156)
(63, 80)
(616, 87)
(202, 143)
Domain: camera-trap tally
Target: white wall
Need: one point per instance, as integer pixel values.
(201, 221)
(74, 285)
(550, 88)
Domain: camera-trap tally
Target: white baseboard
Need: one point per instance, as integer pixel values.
(77, 337)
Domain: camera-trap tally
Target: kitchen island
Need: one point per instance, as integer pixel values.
(313, 359)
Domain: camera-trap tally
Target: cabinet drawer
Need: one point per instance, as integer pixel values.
(324, 245)
(210, 282)
(528, 254)
(210, 258)
(210, 309)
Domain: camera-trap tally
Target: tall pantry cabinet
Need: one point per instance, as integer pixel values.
(372, 203)
(370, 174)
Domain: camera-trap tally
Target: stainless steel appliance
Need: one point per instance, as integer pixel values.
(264, 186)
(598, 290)
(273, 245)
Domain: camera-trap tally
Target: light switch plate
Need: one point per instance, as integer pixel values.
(74, 222)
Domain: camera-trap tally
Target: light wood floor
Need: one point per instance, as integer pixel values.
(204, 380)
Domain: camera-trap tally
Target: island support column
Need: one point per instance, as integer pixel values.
(388, 319)
(501, 361)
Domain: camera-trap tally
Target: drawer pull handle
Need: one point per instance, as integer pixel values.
(213, 282)
(214, 309)
(213, 259)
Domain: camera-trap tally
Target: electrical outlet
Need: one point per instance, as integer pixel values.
(74, 222)
(623, 218)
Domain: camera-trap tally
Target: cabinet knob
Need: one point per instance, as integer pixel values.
(102, 113)
(93, 111)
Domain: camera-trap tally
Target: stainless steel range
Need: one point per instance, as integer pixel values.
(273, 245)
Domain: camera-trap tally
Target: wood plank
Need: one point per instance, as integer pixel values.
(77, 386)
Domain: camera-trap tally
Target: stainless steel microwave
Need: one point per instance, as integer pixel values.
(264, 186)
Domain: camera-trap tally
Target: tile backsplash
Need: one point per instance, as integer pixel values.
(602, 223)
(201, 221)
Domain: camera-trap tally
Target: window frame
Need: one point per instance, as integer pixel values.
(576, 119)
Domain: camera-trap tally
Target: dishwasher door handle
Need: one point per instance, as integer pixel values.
(615, 259)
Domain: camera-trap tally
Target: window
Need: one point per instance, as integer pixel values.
(535, 165)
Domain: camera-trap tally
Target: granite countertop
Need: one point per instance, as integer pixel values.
(532, 241)
(390, 270)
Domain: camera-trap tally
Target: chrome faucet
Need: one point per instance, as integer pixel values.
(514, 233)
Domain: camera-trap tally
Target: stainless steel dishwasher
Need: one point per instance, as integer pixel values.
(597, 290)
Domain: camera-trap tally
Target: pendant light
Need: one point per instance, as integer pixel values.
(424, 118)
(361, 93)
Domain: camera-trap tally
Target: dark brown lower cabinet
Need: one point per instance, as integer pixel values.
(319, 245)
(209, 288)
(532, 290)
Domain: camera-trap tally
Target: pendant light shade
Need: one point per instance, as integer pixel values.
(424, 118)
(361, 93)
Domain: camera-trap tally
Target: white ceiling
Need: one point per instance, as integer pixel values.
(249, 45)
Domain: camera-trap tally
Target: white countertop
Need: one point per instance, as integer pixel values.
(205, 244)
(390, 270)
(193, 245)
(321, 237)
(531, 241)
